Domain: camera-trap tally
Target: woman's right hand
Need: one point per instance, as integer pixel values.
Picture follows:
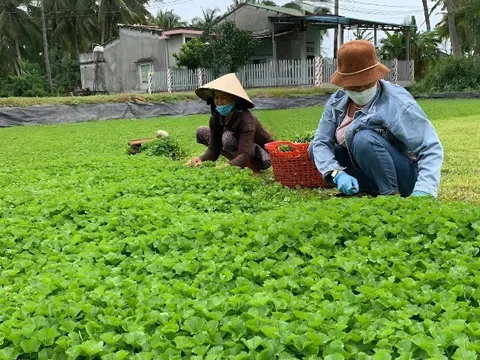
(194, 162)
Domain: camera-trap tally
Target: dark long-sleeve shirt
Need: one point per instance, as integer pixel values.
(247, 130)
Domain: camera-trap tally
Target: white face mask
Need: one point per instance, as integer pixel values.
(362, 97)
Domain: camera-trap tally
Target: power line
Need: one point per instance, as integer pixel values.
(380, 5)
(165, 4)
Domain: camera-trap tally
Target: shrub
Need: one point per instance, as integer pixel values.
(26, 85)
(452, 74)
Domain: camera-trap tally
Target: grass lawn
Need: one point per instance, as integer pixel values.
(105, 255)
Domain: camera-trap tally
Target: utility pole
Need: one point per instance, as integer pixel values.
(337, 32)
(45, 45)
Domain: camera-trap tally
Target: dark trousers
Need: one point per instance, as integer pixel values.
(381, 168)
(260, 160)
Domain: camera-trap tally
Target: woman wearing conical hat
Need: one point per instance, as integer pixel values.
(234, 131)
(373, 136)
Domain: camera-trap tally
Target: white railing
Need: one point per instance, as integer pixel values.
(283, 73)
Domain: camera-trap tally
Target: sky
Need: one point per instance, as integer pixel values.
(378, 10)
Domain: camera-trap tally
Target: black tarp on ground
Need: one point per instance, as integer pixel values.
(65, 114)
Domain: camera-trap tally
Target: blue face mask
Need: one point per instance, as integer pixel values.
(224, 110)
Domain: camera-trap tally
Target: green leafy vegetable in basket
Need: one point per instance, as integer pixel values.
(285, 148)
(165, 146)
(304, 137)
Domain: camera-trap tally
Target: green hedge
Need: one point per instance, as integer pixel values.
(451, 75)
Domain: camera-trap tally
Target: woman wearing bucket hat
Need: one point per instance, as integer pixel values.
(373, 136)
(234, 131)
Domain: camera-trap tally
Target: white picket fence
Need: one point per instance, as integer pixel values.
(283, 73)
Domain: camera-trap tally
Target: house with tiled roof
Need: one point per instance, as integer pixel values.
(123, 64)
(277, 41)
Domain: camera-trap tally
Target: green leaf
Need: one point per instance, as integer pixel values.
(253, 343)
(47, 336)
(382, 355)
(266, 354)
(136, 339)
(92, 347)
(464, 354)
(30, 345)
(335, 356)
(183, 342)
(110, 338)
(194, 324)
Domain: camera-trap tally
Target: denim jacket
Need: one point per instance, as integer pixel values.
(395, 114)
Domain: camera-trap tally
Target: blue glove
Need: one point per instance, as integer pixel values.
(420, 194)
(346, 184)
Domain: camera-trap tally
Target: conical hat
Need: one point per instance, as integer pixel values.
(229, 84)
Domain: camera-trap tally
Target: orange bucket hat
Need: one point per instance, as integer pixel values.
(358, 65)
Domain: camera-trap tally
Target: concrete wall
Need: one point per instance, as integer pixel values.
(113, 67)
(314, 41)
(87, 72)
(292, 46)
(136, 48)
(175, 42)
(264, 51)
(92, 71)
(251, 18)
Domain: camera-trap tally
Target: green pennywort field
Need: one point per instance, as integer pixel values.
(105, 255)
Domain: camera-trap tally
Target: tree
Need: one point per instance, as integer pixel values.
(168, 20)
(17, 27)
(74, 24)
(424, 48)
(426, 12)
(191, 54)
(224, 48)
(393, 46)
(452, 29)
(114, 12)
(467, 25)
(230, 48)
(210, 16)
(45, 46)
(362, 35)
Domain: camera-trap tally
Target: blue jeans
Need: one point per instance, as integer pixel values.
(383, 169)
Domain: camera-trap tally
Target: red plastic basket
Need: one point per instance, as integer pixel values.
(293, 167)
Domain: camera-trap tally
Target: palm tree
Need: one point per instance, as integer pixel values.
(168, 20)
(210, 16)
(17, 27)
(426, 12)
(424, 48)
(74, 25)
(451, 27)
(113, 12)
(362, 35)
(467, 26)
